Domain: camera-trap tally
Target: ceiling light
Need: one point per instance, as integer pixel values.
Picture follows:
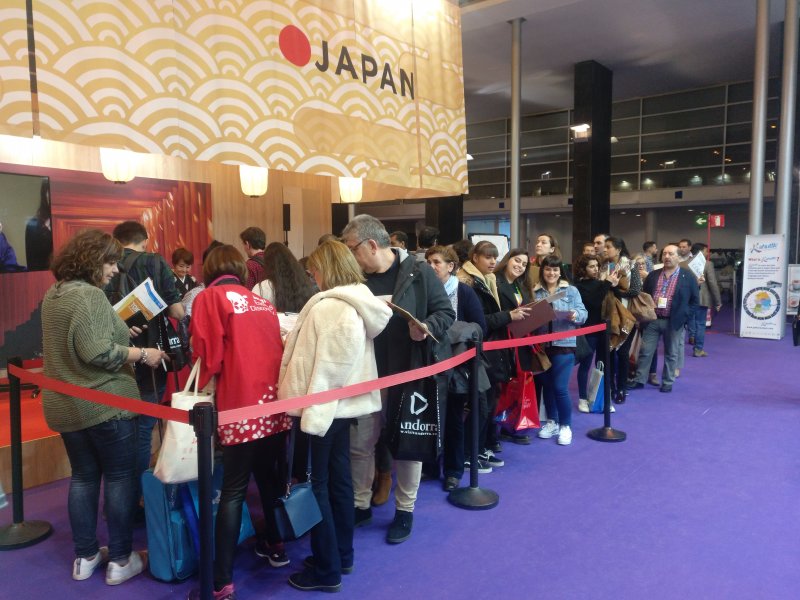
(581, 131)
(350, 189)
(118, 165)
(254, 180)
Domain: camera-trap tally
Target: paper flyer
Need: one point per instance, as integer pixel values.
(140, 306)
(410, 318)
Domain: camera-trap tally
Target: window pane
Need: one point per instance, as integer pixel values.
(624, 183)
(684, 120)
(739, 153)
(546, 121)
(548, 137)
(739, 133)
(740, 113)
(625, 146)
(682, 159)
(485, 129)
(544, 171)
(486, 191)
(740, 92)
(485, 176)
(545, 154)
(710, 136)
(683, 100)
(681, 178)
(625, 127)
(487, 161)
(551, 187)
(625, 164)
(773, 108)
(489, 144)
(628, 108)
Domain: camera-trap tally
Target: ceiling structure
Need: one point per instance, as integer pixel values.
(652, 47)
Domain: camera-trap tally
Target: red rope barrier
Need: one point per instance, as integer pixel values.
(262, 410)
(100, 397)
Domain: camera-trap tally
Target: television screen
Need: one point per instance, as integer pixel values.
(26, 231)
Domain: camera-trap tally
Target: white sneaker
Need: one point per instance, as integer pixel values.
(583, 405)
(564, 435)
(116, 574)
(548, 430)
(83, 568)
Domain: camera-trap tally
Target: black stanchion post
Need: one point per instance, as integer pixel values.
(607, 433)
(20, 533)
(474, 497)
(204, 419)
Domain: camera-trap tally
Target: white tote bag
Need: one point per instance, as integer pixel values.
(177, 460)
(596, 395)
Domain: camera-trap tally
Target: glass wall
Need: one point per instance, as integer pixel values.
(689, 138)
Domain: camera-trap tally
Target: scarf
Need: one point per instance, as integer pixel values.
(451, 289)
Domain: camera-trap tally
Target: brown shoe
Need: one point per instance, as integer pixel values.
(699, 353)
(383, 485)
(654, 380)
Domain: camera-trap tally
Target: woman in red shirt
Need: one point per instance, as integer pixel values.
(230, 327)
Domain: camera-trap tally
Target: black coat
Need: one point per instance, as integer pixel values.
(500, 361)
(508, 302)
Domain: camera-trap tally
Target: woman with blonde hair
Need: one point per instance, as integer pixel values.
(331, 346)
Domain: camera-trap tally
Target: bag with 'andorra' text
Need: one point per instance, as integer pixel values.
(415, 425)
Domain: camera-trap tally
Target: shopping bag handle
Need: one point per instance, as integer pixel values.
(194, 376)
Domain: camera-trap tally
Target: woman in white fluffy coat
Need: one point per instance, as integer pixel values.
(330, 347)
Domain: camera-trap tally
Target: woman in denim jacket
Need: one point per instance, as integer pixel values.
(570, 313)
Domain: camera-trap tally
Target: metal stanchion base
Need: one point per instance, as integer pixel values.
(607, 434)
(21, 535)
(473, 498)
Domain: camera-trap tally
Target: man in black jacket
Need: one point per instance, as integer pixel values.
(392, 274)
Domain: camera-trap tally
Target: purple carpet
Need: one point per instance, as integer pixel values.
(701, 501)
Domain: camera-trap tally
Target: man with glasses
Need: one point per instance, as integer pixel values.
(395, 275)
(675, 292)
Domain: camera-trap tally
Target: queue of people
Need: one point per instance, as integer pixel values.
(299, 330)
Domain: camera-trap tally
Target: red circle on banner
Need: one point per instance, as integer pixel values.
(295, 45)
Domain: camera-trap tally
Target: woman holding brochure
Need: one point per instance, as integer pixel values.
(478, 273)
(570, 312)
(87, 344)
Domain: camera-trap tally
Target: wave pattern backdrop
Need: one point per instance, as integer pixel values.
(333, 87)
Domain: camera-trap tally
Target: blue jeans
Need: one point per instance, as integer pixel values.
(107, 451)
(331, 480)
(556, 393)
(265, 458)
(585, 366)
(699, 329)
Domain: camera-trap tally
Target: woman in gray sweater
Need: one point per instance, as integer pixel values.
(87, 344)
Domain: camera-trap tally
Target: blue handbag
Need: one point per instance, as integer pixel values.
(298, 511)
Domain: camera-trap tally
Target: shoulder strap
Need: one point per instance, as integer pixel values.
(259, 259)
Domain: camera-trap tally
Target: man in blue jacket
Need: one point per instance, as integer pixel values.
(675, 292)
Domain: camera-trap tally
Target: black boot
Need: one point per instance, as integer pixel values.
(400, 529)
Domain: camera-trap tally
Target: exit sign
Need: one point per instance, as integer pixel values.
(716, 220)
(701, 220)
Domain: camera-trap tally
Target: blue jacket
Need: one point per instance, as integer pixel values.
(686, 297)
(572, 301)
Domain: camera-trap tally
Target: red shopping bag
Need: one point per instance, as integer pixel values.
(517, 406)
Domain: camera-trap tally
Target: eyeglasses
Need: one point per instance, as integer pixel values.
(354, 248)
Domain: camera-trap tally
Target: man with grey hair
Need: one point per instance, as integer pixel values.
(394, 275)
(674, 289)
